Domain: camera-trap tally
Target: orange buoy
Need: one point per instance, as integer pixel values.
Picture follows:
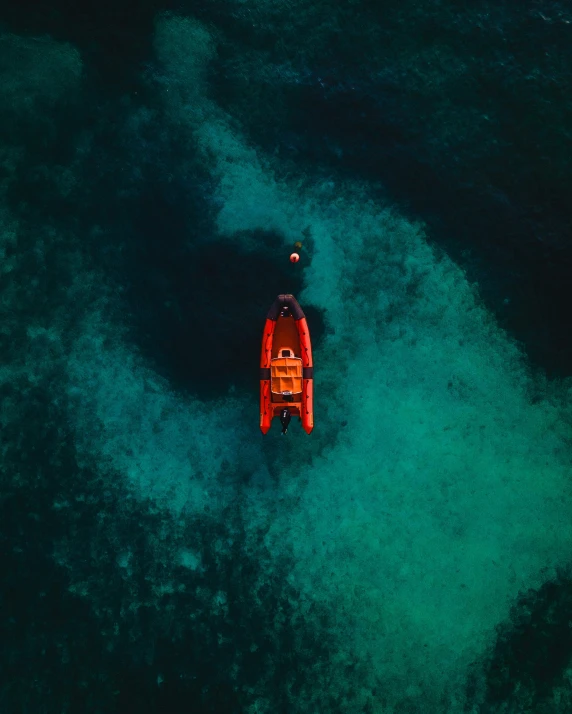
(294, 258)
(298, 244)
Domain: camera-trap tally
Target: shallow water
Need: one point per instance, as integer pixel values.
(160, 554)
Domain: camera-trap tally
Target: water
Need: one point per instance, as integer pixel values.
(159, 554)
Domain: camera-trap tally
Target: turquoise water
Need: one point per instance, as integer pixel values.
(158, 164)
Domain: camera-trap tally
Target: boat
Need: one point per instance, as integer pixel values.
(286, 367)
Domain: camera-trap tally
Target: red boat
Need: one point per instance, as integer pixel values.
(286, 367)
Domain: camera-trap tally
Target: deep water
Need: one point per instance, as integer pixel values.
(158, 162)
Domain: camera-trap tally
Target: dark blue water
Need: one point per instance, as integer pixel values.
(112, 248)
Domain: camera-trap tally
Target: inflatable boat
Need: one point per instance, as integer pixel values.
(286, 367)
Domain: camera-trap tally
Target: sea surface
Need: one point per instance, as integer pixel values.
(158, 163)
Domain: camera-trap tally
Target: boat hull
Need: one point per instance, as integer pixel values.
(286, 333)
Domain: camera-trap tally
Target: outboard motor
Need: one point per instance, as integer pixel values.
(285, 417)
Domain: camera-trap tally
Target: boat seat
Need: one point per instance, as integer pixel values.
(286, 375)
